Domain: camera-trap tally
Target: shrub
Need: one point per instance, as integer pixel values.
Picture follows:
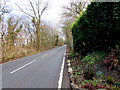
(98, 28)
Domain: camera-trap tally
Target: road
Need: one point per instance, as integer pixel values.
(37, 71)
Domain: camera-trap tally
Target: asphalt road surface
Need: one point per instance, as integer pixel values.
(37, 71)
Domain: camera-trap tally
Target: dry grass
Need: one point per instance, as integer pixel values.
(19, 52)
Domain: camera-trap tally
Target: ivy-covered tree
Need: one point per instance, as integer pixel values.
(13, 31)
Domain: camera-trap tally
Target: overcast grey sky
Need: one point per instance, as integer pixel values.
(52, 15)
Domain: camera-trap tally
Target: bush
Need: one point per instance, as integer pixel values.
(98, 28)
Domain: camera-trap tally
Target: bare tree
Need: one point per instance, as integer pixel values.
(74, 9)
(37, 7)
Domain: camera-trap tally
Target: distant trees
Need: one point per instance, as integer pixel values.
(49, 36)
(98, 28)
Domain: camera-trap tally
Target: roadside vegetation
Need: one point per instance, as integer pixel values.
(27, 34)
(95, 58)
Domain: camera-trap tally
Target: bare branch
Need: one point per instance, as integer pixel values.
(28, 28)
(44, 8)
(24, 11)
(33, 9)
(38, 8)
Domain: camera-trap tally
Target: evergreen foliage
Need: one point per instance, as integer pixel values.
(98, 28)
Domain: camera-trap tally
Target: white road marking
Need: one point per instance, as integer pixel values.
(51, 52)
(61, 74)
(44, 55)
(22, 67)
(64, 54)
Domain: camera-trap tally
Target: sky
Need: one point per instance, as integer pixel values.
(52, 15)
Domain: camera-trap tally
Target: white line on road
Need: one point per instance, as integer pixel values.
(64, 54)
(22, 67)
(61, 74)
(51, 52)
(44, 55)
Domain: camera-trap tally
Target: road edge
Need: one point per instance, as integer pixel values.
(60, 80)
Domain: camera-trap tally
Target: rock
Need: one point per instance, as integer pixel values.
(74, 86)
(68, 64)
(68, 61)
(71, 75)
(70, 70)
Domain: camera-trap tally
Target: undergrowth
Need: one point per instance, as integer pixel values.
(92, 73)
